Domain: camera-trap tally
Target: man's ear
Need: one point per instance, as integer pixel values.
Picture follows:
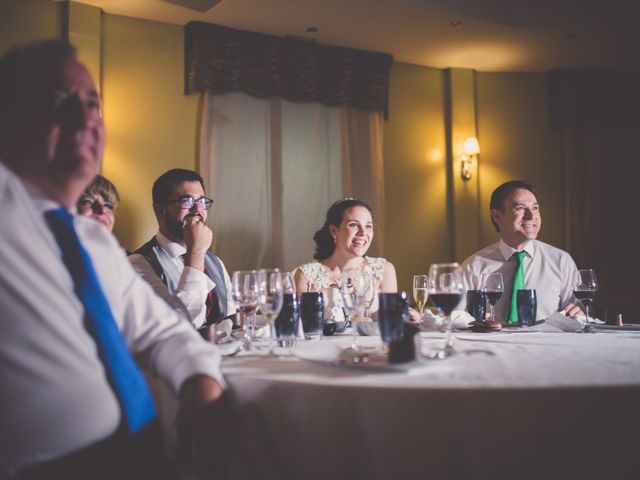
(159, 210)
(496, 216)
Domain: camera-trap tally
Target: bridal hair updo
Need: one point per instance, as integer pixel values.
(325, 244)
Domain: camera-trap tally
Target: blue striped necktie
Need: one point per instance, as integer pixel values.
(124, 376)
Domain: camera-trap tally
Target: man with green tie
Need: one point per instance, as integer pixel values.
(523, 261)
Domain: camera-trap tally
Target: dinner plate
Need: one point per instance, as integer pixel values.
(618, 328)
(367, 359)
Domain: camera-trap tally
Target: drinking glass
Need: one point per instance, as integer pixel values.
(420, 283)
(245, 294)
(493, 286)
(312, 314)
(527, 304)
(270, 299)
(288, 320)
(476, 304)
(392, 315)
(586, 287)
(355, 285)
(446, 290)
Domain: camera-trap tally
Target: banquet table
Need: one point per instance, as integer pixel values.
(517, 404)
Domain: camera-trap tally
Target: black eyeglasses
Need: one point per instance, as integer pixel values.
(187, 201)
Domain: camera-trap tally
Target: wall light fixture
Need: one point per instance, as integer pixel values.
(471, 148)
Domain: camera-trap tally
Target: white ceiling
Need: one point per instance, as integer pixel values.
(491, 36)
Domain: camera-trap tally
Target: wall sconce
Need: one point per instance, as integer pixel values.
(471, 148)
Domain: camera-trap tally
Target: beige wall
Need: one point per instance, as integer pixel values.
(151, 125)
(23, 21)
(416, 230)
(517, 142)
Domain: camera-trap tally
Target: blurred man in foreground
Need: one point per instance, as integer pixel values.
(74, 311)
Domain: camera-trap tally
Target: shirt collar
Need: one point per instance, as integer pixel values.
(40, 201)
(174, 249)
(508, 251)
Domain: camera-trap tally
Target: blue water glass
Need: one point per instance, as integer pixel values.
(287, 322)
(477, 304)
(312, 314)
(392, 313)
(527, 304)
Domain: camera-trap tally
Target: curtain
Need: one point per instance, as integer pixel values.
(274, 167)
(222, 60)
(597, 112)
(603, 226)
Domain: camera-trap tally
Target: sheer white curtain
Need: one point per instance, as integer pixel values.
(274, 167)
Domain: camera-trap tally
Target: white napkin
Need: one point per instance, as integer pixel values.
(460, 319)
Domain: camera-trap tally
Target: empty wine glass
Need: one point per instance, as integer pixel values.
(270, 299)
(354, 286)
(245, 294)
(586, 286)
(493, 286)
(446, 290)
(420, 283)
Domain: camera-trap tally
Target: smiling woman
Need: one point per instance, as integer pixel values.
(342, 244)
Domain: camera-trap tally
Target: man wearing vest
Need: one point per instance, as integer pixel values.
(177, 262)
(522, 260)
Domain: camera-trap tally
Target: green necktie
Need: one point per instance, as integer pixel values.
(518, 284)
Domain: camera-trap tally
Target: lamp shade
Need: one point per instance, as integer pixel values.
(471, 146)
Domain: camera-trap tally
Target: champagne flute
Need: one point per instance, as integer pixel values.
(493, 286)
(353, 287)
(586, 286)
(420, 283)
(446, 290)
(245, 293)
(270, 299)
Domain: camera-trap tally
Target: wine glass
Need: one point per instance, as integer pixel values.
(445, 290)
(586, 286)
(420, 295)
(245, 293)
(493, 286)
(354, 286)
(270, 299)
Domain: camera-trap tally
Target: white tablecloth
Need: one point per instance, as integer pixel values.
(542, 405)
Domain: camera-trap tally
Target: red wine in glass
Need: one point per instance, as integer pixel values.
(446, 301)
(493, 296)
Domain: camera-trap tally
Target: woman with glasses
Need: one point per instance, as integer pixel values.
(99, 202)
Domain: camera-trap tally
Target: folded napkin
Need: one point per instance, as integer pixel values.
(460, 320)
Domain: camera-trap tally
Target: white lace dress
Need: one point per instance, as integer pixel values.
(320, 279)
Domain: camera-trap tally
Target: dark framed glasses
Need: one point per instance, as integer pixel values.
(187, 201)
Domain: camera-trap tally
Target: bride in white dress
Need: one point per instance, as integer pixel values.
(342, 244)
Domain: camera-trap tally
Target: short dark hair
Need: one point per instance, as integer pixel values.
(325, 244)
(502, 192)
(24, 71)
(164, 183)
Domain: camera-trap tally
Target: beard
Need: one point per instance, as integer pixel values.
(175, 226)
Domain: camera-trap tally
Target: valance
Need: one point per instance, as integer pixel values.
(220, 60)
(594, 97)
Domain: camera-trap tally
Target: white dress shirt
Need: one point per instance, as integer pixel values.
(547, 269)
(193, 286)
(54, 393)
